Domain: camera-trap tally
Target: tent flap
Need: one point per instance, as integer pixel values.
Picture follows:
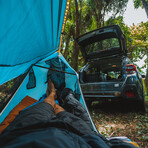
(29, 31)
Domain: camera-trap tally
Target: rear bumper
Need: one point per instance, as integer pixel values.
(113, 95)
(102, 94)
(131, 88)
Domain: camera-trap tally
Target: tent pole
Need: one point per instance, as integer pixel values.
(55, 70)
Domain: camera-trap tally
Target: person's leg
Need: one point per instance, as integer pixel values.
(39, 113)
(51, 95)
(74, 123)
(72, 105)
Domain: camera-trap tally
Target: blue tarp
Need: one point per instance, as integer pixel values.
(30, 30)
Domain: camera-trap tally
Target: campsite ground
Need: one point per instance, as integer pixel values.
(118, 119)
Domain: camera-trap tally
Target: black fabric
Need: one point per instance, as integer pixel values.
(72, 105)
(42, 114)
(50, 137)
(37, 126)
(32, 80)
(95, 141)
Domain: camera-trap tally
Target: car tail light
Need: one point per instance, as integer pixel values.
(130, 94)
(131, 68)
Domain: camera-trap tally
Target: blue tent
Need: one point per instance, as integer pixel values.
(30, 36)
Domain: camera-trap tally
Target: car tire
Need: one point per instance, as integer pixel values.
(140, 105)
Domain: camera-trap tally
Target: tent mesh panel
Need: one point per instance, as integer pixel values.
(8, 89)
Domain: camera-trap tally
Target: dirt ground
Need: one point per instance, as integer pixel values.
(118, 119)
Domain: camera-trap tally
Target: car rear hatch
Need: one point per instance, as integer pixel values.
(103, 78)
(103, 42)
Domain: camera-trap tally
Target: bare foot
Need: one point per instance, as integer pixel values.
(50, 88)
(51, 94)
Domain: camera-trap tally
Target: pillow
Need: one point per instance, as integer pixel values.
(27, 101)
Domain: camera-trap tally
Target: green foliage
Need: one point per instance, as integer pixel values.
(137, 39)
(139, 44)
(144, 85)
(100, 8)
(91, 16)
(119, 21)
(137, 4)
(5, 88)
(146, 98)
(70, 27)
(89, 19)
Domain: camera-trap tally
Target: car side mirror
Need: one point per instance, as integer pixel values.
(143, 76)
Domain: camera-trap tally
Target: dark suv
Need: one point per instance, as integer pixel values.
(109, 73)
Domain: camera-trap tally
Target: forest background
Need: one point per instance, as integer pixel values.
(87, 15)
(111, 119)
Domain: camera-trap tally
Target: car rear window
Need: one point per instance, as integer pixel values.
(104, 45)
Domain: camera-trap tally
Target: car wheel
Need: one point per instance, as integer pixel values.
(140, 105)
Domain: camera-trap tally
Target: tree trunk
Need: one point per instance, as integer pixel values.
(67, 46)
(146, 81)
(98, 15)
(145, 5)
(74, 62)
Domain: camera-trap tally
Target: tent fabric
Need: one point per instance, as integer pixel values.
(30, 35)
(71, 81)
(30, 31)
(37, 92)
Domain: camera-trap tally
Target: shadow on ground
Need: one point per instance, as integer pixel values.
(112, 107)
